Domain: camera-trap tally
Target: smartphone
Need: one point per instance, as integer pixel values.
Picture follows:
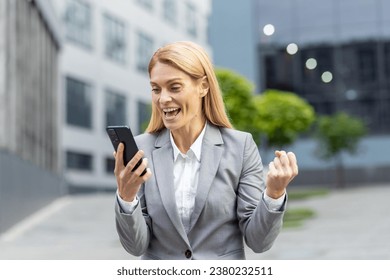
(122, 134)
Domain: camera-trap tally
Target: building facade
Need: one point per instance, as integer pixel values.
(30, 175)
(104, 79)
(336, 55)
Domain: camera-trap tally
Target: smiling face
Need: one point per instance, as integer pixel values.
(178, 98)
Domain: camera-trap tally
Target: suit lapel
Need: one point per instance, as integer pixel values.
(163, 166)
(212, 150)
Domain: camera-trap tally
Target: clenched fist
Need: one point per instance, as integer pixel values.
(281, 172)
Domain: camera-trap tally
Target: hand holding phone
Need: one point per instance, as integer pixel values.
(122, 134)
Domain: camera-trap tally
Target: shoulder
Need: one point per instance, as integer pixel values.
(145, 137)
(230, 134)
(146, 141)
(234, 140)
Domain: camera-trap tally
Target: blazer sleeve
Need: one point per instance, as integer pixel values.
(259, 225)
(134, 229)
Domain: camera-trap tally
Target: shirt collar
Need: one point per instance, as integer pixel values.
(196, 147)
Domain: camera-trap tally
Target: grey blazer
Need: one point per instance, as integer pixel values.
(229, 207)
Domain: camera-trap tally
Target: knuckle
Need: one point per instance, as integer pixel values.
(122, 175)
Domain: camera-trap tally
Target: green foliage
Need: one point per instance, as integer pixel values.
(302, 194)
(238, 97)
(295, 217)
(282, 116)
(337, 133)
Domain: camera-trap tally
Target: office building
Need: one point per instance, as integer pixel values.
(104, 79)
(335, 54)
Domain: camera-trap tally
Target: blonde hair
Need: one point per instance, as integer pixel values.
(194, 61)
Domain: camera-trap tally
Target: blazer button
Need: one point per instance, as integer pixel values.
(188, 254)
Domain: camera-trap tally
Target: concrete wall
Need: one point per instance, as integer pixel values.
(24, 188)
(30, 175)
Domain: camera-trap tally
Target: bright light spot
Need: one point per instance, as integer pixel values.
(351, 94)
(269, 29)
(327, 77)
(311, 63)
(292, 48)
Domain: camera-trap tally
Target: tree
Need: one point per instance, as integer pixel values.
(279, 116)
(336, 134)
(238, 97)
(282, 116)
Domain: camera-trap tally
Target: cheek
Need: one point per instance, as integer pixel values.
(155, 100)
(195, 105)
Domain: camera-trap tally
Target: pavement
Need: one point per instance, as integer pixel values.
(349, 224)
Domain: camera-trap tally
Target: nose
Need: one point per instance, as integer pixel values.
(165, 96)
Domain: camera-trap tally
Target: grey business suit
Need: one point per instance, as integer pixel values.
(228, 204)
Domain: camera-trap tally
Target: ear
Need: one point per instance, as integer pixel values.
(204, 85)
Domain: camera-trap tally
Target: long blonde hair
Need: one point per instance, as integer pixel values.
(194, 61)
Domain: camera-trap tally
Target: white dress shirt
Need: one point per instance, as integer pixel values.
(186, 175)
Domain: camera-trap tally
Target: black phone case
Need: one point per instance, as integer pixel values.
(122, 134)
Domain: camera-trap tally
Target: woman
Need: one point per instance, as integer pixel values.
(203, 192)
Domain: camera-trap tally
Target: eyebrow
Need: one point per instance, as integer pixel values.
(177, 79)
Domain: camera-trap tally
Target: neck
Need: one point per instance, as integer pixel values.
(186, 136)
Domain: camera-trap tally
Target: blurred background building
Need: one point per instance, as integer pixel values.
(30, 172)
(335, 54)
(104, 79)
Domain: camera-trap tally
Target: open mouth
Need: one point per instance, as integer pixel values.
(171, 112)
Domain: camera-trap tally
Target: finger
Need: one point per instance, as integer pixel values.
(293, 162)
(271, 168)
(147, 175)
(277, 163)
(137, 157)
(114, 154)
(292, 158)
(141, 167)
(119, 157)
(284, 158)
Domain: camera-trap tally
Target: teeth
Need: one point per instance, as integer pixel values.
(168, 110)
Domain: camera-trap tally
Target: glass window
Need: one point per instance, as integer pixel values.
(270, 72)
(78, 161)
(110, 165)
(78, 103)
(115, 39)
(191, 20)
(115, 108)
(145, 51)
(78, 22)
(148, 4)
(367, 64)
(387, 59)
(144, 113)
(170, 11)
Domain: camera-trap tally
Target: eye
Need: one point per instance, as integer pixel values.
(155, 90)
(175, 88)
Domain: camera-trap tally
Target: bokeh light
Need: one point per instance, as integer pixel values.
(327, 77)
(292, 48)
(268, 29)
(311, 63)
